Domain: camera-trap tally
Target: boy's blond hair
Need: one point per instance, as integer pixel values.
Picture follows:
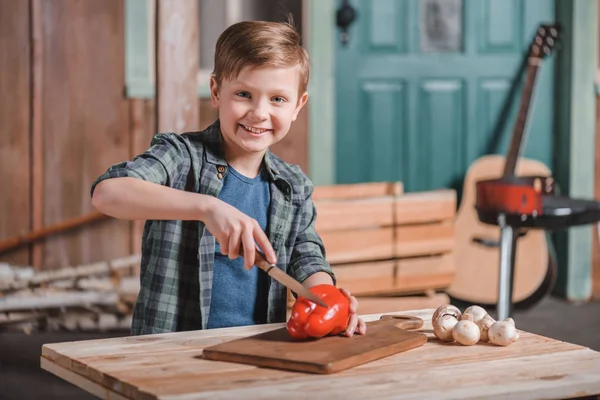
(257, 44)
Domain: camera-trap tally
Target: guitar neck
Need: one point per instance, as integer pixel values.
(519, 128)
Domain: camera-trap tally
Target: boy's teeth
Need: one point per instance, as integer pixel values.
(254, 130)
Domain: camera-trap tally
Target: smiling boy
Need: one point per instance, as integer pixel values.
(207, 195)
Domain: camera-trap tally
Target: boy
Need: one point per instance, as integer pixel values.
(207, 195)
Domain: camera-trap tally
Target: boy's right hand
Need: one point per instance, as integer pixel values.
(232, 228)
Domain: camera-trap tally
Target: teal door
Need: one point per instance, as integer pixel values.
(421, 87)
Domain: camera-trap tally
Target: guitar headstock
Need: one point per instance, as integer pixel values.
(545, 40)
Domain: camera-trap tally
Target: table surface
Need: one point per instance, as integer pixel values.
(167, 366)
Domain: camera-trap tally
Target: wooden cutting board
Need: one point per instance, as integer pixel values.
(276, 349)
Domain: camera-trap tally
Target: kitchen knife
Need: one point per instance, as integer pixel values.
(286, 280)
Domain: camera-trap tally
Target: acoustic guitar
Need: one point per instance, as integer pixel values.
(477, 253)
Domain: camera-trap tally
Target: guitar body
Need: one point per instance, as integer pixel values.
(476, 277)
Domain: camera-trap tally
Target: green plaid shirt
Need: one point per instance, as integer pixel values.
(177, 256)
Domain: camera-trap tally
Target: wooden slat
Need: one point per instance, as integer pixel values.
(178, 54)
(357, 190)
(37, 128)
(366, 278)
(85, 122)
(80, 381)
(208, 114)
(375, 305)
(293, 148)
(169, 366)
(358, 245)
(397, 276)
(335, 215)
(595, 237)
(15, 161)
(142, 127)
(421, 207)
(425, 239)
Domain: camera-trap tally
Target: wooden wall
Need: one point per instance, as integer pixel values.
(15, 121)
(64, 121)
(595, 238)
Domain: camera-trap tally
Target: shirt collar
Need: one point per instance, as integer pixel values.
(216, 155)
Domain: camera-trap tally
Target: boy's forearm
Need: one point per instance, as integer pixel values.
(318, 278)
(135, 199)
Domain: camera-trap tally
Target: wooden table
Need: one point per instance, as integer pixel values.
(166, 366)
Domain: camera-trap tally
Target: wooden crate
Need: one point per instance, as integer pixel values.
(384, 241)
(390, 249)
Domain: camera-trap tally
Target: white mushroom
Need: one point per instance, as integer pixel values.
(484, 326)
(503, 333)
(446, 309)
(443, 320)
(442, 327)
(477, 312)
(466, 332)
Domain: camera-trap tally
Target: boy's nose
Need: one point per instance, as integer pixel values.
(260, 111)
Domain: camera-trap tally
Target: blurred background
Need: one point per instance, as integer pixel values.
(408, 91)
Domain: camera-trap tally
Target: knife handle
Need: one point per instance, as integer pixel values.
(259, 260)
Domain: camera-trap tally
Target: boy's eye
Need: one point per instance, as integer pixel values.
(279, 99)
(243, 94)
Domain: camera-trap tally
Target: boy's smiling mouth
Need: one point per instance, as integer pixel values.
(254, 131)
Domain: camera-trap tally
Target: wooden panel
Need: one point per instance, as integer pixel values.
(293, 148)
(386, 26)
(357, 190)
(417, 240)
(441, 135)
(424, 273)
(358, 245)
(352, 214)
(373, 305)
(595, 238)
(422, 207)
(142, 127)
(177, 54)
(37, 127)
(383, 103)
(396, 277)
(502, 26)
(84, 120)
(494, 128)
(208, 114)
(15, 161)
(366, 278)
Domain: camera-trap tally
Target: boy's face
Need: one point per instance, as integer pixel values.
(257, 108)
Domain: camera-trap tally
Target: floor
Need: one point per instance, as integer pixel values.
(21, 378)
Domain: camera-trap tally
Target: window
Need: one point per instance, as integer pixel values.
(441, 25)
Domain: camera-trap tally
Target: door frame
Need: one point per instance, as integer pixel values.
(574, 112)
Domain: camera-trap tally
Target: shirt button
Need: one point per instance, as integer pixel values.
(220, 168)
(220, 175)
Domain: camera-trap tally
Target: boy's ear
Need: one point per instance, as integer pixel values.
(301, 102)
(214, 92)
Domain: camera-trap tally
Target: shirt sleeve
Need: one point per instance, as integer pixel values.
(308, 254)
(162, 163)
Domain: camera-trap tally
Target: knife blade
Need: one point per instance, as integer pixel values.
(286, 280)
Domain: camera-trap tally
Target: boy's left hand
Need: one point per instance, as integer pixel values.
(354, 322)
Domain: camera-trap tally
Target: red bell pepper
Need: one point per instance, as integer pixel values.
(311, 320)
